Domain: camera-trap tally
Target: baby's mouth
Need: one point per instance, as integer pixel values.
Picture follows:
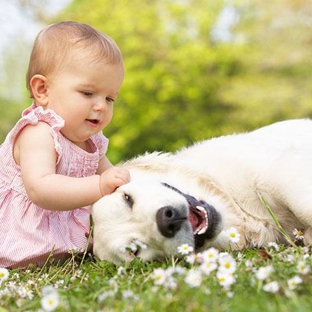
(93, 121)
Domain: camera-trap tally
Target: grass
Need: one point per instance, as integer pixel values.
(90, 285)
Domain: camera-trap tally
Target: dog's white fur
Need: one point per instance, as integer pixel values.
(231, 173)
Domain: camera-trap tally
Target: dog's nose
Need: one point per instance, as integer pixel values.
(169, 221)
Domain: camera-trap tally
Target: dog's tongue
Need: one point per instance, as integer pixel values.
(198, 215)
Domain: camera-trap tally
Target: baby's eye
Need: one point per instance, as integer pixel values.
(110, 100)
(87, 93)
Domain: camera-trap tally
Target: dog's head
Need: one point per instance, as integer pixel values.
(150, 220)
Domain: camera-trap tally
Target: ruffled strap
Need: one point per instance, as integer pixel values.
(32, 115)
(101, 142)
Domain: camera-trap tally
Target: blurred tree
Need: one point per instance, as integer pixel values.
(173, 71)
(277, 61)
(186, 80)
(184, 84)
(15, 48)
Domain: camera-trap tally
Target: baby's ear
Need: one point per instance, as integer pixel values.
(39, 88)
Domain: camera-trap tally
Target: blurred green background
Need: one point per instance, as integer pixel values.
(194, 68)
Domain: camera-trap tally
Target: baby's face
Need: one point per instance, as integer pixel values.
(83, 94)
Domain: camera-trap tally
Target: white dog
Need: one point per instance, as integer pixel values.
(193, 196)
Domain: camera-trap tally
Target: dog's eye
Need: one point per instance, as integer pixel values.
(128, 199)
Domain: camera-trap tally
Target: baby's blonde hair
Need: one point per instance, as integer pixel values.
(57, 42)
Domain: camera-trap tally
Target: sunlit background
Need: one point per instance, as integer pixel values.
(194, 68)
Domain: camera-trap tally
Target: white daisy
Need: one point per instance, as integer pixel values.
(50, 301)
(232, 234)
(264, 272)
(127, 294)
(293, 282)
(298, 234)
(159, 276)
(210, 255)
(273, 245)
(225, 279)
(208, 267)
(185, 249)
(4, 274)
(190, 258)
(227, 263)
(302, 267)
(139, 244)
(193, 278)
(271, 287)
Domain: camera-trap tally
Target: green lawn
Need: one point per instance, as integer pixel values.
(266, 280)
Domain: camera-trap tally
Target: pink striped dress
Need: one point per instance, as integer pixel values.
(28, 233)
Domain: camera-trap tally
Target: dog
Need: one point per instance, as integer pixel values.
(194, 195)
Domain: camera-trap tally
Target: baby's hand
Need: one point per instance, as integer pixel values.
(112, 178)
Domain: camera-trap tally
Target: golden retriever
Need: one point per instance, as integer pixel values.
(194, 195)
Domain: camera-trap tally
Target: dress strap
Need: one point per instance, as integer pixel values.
(34, 114)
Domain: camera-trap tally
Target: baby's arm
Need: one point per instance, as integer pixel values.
(34, 152)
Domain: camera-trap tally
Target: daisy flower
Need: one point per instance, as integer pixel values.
(106, 294)
(210, 255)
(25, 292)
(249, 264)
(4, 274)
(170, 283)
(133, 246)
(190, 258)
(225, 279)
(271, 287)
(50, 301)
(126, 294)
(121, 271)
(232, 234)
(159, 276)
(227, 264)
(290, 258)
(227, 292)
(179, 270)
(193, 278)
(185, 249)
(298, 234)
(264, 272)
(293, 282)
(208, 267)
(273, 245)
(139, 244)
(303, 268)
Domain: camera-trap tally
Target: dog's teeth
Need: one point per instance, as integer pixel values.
(203, 230)
(201, 208)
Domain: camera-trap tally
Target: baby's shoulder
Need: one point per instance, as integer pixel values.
(33, 138)
(40, 129)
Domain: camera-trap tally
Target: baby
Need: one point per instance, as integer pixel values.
(52, 163)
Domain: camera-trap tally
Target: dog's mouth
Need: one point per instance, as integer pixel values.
(198, 217)
(205, 220)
